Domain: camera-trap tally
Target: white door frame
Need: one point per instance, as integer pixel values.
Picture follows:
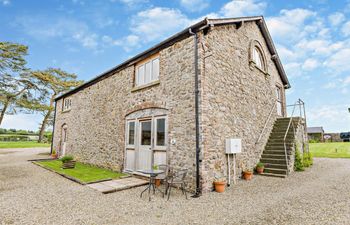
(137, 147)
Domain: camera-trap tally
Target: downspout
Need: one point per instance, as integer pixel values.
(53, 128)
(196, 98)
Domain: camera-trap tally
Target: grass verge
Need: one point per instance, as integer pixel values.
(82, 172)
(22, 144)
(330, 150)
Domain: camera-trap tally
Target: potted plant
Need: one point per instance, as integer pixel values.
(157, 181)
(68, 162)
(260, 167)
(247, 174)
(54, 154)
(219, 184)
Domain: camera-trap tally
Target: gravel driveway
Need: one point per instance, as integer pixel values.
(32, 195)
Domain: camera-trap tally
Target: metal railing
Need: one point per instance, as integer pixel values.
(302, 112)
(266, 122)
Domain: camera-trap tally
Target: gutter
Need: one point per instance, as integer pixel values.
(196, 92)
(53, 129)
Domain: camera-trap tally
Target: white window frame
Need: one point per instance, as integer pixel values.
(156, 146)
(147, 78)
(67, 104)
(127, 135)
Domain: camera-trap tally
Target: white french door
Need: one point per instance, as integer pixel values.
(146, 143)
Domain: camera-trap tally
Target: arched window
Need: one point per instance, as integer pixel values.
(257, 57)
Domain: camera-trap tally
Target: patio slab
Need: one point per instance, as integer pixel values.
(117, 185)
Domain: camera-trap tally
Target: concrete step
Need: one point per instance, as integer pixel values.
(276, 152)
(274, 156)
(274, 175)
(275, 166)
(280, 140)
(275, 171)
(273, 161)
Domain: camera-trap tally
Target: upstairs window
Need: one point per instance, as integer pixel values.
(257, 57)
(147, 71)
(67, 103)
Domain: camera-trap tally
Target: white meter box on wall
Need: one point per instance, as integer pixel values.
(233, 145)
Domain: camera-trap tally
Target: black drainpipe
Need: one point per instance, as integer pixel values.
(53, 128)
(196, 99)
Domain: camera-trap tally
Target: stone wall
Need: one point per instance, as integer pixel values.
(300, 142)
(237, 98)
(96, 121)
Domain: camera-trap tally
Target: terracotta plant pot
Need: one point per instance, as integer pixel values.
(219, 186)
(260, 170)
(157, 182)
(247, 175)
(54, 156)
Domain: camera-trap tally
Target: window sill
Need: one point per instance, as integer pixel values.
(137, 88)
(253, 65)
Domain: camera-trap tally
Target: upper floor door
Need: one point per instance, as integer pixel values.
(279, 101)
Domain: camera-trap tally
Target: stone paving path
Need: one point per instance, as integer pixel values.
(117, 185)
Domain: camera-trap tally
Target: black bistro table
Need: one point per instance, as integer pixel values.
(152, 176)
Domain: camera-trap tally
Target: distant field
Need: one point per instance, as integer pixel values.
(22, 144)
(330, 150)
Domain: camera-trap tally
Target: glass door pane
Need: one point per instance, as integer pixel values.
(160, 141)
(146, 132)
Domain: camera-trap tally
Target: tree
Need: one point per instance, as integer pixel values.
(15, 84)
(52, 82)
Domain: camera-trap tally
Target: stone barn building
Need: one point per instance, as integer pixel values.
(177, 102)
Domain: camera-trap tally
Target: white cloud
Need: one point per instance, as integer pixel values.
(346, 29)
(293, 69)
(5, 2)
(132, 3)
(336, 18)
(238, 8)
(290, 25)
(339, 61)
(156, 23)
(310, 64)
(194, 5)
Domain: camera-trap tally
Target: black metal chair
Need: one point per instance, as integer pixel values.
(164, 176)
(176, 178)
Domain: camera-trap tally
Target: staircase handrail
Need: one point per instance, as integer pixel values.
(267, 120)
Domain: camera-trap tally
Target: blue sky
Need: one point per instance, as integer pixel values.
(89, 37)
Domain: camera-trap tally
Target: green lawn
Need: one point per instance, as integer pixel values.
(82, 172)
(330, 150)
(22, 144)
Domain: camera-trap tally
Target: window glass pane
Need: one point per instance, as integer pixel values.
(146, 133)
(140, 75)
(148, 72)
(160, 132)
(257, 58)
(155, 69)
(131, 139)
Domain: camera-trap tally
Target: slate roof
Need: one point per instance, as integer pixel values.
(315, 130)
